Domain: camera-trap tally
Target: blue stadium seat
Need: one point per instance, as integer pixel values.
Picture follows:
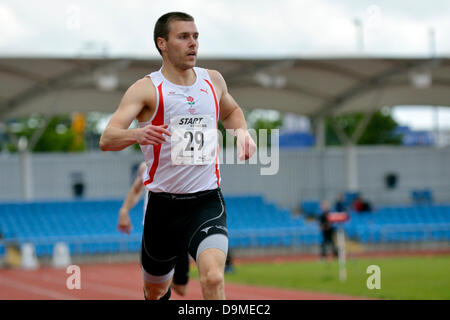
(87, 221)
(2, 250)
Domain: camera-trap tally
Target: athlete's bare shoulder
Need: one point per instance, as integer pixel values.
(218, 81)
(144, 87)
(215, 75)
(145, 91)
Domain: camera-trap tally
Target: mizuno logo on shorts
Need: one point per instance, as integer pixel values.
(205, 230)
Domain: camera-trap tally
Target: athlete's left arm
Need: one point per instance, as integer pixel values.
(133, 196)
(232, 117)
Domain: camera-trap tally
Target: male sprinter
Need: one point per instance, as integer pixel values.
(181, 274)
(185, 209)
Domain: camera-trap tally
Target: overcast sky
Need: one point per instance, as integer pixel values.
(228, 27)
(262, 28)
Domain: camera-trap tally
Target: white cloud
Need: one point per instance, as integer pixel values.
(422, 117)
(232, 28)
(11, 27)
(228, 28)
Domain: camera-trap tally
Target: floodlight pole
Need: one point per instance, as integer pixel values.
(432, 42)
(359, 34)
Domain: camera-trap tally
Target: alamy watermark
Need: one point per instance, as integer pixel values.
(74, 280)
(73, 15)
(374, 280)
(196, 144)
(373, 16)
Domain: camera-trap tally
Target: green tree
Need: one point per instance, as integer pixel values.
(258, 119)
(380, 129)
(267, 124)
(56, 137)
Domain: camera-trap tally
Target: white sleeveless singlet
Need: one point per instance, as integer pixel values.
(188, 161)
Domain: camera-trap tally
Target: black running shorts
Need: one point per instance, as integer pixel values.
(178, 223)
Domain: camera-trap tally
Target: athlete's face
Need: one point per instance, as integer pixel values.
(182, 44)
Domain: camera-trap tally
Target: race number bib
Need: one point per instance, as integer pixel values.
(193, 140)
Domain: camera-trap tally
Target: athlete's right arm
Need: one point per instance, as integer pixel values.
(117, 136)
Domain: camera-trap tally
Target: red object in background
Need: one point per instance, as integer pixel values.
(358, 205)
(336, 217)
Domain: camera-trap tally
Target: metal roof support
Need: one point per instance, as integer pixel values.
(320, 145)
(340, 133)
(436, 129)
(320, 130)
(351, 157)
(25, 147)
(26, 171)
(58, 82)
(351, 165)
(377, 81)
(362, 125)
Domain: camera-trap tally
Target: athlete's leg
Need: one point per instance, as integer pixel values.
(208, 244)
(211, 266)
(156, 287)
(157, 276)
(158, 251)
(229, 262)
(157, 291)
(181, 275)
(180, 289)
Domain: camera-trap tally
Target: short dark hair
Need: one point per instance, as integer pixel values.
(162, 25)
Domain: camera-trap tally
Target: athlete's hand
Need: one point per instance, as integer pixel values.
(246, 147)
(124, 224)
(152, 134)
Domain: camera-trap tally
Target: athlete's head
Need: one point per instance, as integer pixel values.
(176, 38)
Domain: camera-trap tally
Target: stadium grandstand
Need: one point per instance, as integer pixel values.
(408, 186)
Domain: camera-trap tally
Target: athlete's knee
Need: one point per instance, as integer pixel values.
(180, 289)
(152, 292)
(212, 278)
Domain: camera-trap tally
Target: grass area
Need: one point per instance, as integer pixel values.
(401, 278)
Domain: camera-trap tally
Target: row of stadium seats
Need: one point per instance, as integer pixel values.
(374, 235)
(396, 224)
(2, 250)
(60, 219)
(296, 139)
(109, 245)
(393, 224)
(90, 226)
(420, 198)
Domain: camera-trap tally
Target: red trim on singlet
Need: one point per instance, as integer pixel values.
(217, 127)
(157, 121)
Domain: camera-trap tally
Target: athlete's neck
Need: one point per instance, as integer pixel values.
(178, 76)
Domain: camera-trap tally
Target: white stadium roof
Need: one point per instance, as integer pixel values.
(311, 87)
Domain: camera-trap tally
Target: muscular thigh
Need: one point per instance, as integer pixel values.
(208, 219)
(163, 238)
(162, 229)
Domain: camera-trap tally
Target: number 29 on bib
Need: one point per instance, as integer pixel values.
(193, 140)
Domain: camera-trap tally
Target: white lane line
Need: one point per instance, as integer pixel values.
(88, 284)
(35, 289)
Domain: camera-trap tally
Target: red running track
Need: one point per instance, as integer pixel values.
(123, 282)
